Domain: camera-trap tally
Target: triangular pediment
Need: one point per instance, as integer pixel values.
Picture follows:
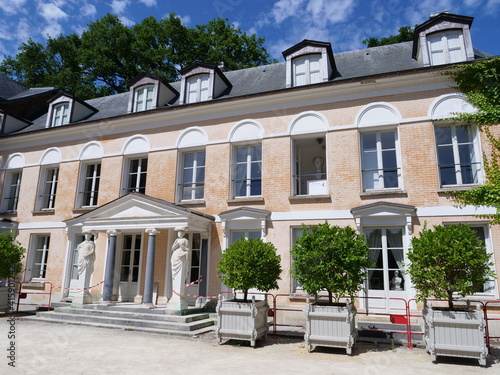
(139, 211)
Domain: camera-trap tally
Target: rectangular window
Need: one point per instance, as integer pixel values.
(137, 172)
(193, 175)
(458, 155)
(446, 48)
(482, 233)
(39, 257)
(49, 188)
(309, 174)
(247, 179)
(143, 98)
(197, 88)
(307, 70)
(91, 184)
(60, 114)
(13, 181)
(380, 161)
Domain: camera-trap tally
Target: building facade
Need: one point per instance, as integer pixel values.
(355, 138)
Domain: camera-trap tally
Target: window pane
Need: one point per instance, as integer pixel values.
(376, 279)
(464, 134)
(369, 142)
(241, 172)
(241, 154)
(188, 176)
(200, 175)
(255, 170)
(200, 159)
(388, 140)
(443, 135)
(241, 189)
(370, 162)
(389, 160)
(448, 175)
(189, 160)
(256, 153)
(256, 187)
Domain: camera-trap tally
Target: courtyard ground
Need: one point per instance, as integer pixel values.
(48, 348)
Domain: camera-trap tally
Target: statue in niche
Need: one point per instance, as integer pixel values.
(319, 162)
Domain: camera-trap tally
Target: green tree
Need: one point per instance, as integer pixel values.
(109, 54)
(480, 82)
(11, 254)
(330, 258)
(250, 263)
(405, 35)
(448, 259)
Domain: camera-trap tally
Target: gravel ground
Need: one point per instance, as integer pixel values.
(48, 348)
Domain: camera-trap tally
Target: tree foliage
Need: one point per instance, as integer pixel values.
(11, 254)
(330, 258)
(108, 54)
(448, 259)
(405, 35)
(250, 263)
(480, 82)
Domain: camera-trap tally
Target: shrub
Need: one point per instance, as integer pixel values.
(11, 254)
(250, 263)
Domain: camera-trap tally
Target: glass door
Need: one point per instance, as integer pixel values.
(130, 266)
(386, 281)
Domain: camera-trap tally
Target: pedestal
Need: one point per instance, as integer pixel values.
(83, 297)
(178, 301)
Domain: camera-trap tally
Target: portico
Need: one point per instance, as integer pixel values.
(136, 263)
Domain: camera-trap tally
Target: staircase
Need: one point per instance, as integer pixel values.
(130, 317)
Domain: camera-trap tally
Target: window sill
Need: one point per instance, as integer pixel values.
(256, 199)
(449, 189)
(82, 210)
(382, 192)
(34, 284)
(9, 213)
(310, 198)
(194, 202)
(43, 212)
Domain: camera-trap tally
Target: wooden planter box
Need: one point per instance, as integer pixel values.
(4, 299)
(242, 320)
(455, 333)
(330, 325)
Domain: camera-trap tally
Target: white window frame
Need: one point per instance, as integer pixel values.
(444, 54)
(11, 191)
(380, 166)
(194, 183)
(60, 114)
(47, 189)
(141, 170)
(144, 98)
(197, 88)
(308, 70)
(456, 157)
(248, 176)
(94, 180)
(39, 243)
(299, 162)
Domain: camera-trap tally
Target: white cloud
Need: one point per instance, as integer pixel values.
(11, 7)
(119, 6)
(284, 9)
(148, 3)
(52, 30)
(126, 21)
(186, 20)
(492, 5)
(23, 30)
(51, 12)
(88, 10)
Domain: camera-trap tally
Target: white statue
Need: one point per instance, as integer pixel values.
(396, 281)
(86, 258)
(318, 164)
(179, 266)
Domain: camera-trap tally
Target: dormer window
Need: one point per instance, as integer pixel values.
(443, 39)
(197, 88)
(446, 47)
(143, 98)
(307, 70)
(201, 82)
(149, 91)
(309, 62)
(60, 114)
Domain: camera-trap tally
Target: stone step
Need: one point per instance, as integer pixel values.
(199, 331)
(143, 314)
(126, 322)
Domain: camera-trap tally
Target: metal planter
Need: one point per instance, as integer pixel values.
(242, 320)
(331, 326)
(455, 333)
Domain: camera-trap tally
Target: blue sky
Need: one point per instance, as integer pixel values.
(283, 23)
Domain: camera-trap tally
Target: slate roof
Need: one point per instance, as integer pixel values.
(356, 64)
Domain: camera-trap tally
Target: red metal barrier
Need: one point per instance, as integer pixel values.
(23, 295)
(275, 309)
(487, 318)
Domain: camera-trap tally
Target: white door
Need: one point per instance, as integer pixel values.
(194, 269)
(386, 281)
(129, 267)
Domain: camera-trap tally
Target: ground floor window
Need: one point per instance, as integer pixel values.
(38, 258)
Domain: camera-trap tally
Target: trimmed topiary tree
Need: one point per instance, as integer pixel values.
(448, 259)
(11, 254)
(250, 263)
(330, 258)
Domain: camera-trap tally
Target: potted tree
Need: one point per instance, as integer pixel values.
(11, 254)
(447, 261)
(246, 264)
(330, 259)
